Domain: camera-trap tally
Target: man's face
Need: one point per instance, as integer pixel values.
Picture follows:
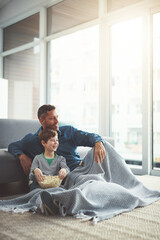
(50, 121)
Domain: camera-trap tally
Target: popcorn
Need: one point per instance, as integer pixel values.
(50, 182)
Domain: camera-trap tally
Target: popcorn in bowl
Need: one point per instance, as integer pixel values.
(50, 182)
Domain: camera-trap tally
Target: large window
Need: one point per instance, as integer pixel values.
(126, 89)
(21, 69)
(22, 72)
(156, 90)
(74, 74)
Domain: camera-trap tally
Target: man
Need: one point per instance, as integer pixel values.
(69, 138)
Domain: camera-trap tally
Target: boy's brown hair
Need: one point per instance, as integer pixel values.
(46, 134)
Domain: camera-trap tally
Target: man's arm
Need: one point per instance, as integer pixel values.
(82, 138)
(16, 148)
(25, 162)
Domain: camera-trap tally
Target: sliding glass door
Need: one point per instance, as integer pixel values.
(156, 91)
(126, 89)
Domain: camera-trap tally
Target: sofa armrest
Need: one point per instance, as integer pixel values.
(10, 170)
(109, 140)
(82, 151)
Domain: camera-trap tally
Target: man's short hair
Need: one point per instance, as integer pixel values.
(46, 134)
(42, 111)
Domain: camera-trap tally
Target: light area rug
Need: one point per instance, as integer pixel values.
(141, 223)
(92, 191)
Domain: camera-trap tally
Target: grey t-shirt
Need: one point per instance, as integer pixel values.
(53, 169)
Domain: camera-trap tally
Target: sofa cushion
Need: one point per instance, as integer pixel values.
(12, 130)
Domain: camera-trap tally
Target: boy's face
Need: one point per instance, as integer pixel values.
(51, 145)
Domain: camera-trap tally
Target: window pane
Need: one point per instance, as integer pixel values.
(22, 71)
(21, 32)
(126, 78)
(74, 74)
(156, 90)
(69, 13)
(4, 98)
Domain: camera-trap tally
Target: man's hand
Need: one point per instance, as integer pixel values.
(62, 173)
(39, 175)
(25, 162)
(99, 152)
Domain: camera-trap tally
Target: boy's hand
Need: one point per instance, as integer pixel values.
(62, 173)
(39, 175)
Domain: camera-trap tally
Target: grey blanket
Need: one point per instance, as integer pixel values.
(92, 191)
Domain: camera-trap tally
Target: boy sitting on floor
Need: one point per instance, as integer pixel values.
(47, 163)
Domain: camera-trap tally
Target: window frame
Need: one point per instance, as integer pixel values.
(155, 172)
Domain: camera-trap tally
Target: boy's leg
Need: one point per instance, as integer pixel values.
(48, 203)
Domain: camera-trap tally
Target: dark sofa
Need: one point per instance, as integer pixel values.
(10, 169)
(11, 174)
(12, 130)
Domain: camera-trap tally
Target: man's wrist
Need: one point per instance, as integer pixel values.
(98, 143)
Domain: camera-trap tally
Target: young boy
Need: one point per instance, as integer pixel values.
(47, 163)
